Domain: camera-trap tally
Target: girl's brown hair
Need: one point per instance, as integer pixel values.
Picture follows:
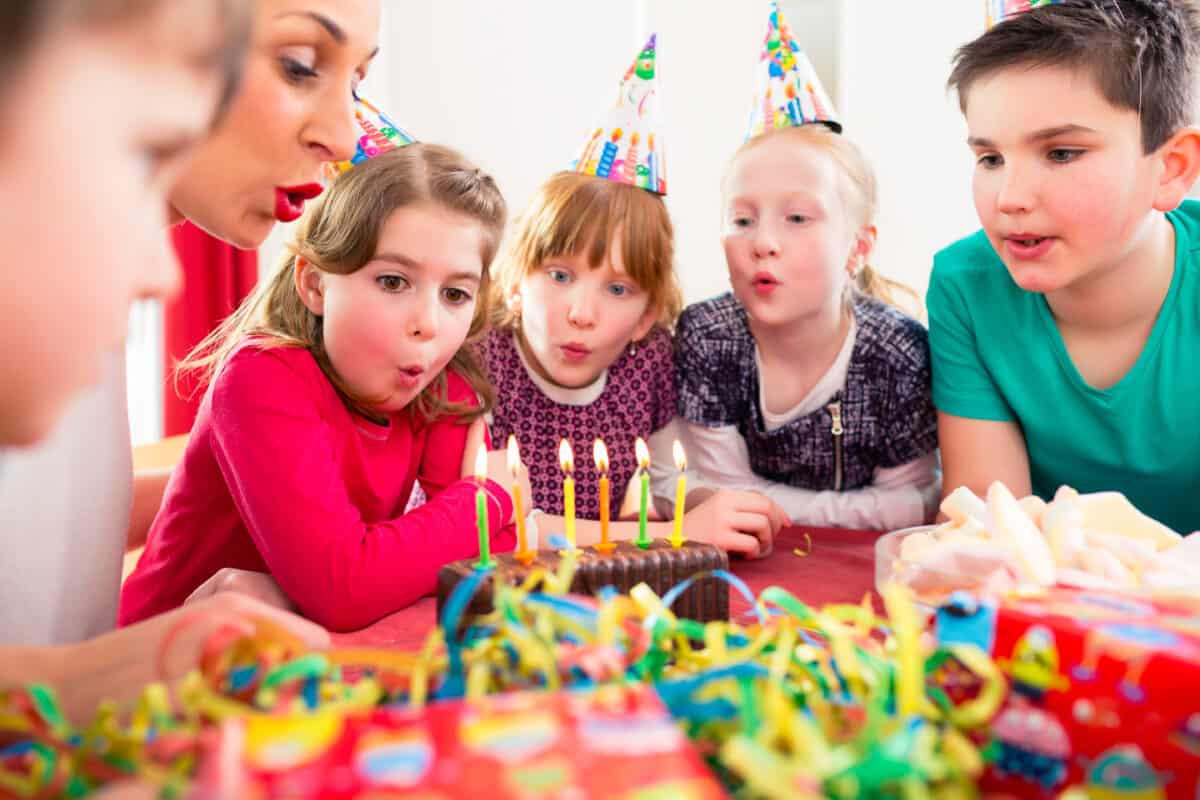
(339, 235)
(571, 212)
(862, 199)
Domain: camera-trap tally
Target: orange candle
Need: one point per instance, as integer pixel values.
(600, 454)
(523, 554)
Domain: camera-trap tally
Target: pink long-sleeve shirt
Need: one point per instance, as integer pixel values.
(280, 476)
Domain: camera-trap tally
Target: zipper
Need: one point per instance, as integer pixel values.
(835, 414)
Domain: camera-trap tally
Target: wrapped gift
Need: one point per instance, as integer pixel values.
(1104, 692)
(615, 741)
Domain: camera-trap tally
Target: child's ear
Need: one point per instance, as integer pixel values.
(310, 286)
(1180, 157)
(861, 249)
(514, 303)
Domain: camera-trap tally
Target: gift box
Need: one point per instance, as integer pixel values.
(614, 741)
(1103, 692)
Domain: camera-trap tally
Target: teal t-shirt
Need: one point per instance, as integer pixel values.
(997, 355)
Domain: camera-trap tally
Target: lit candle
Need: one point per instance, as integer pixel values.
(566, 460)
(600, 454)
(643, 459)
(485, 543)
(523, 554)
(680, 494)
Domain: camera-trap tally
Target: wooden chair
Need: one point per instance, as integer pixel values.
(161, 455)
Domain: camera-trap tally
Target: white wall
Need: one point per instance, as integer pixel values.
(893, 69)
(530, 79)
(517, 86)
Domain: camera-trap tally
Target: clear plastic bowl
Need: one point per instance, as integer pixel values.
(887, 554)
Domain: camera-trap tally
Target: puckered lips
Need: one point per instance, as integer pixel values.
(289, 200)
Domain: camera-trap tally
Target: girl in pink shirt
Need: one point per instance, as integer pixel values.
(341, 385)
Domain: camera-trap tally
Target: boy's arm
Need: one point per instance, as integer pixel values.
(976, 452)
(119, 665)
(980, 438)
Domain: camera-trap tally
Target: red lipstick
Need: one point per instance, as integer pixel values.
(289, 200)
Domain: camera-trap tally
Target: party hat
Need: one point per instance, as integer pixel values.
(377, 134)
(787, 90)
(1000, 10)
(625, 146)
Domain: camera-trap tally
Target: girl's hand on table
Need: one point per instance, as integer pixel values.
(734, 520)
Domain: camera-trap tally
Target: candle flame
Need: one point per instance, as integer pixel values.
(481, 459)
(514, 456)
(600, 454)
(643, 453)
(566, 456)
(680, 456)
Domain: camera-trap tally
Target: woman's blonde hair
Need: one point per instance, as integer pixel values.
(339, 235)
(863, 200)
(573, 212)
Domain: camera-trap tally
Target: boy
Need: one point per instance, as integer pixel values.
(1063, 334)
(82, 225)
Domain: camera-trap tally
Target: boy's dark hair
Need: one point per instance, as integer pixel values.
(1141, 53)
(235, 17)
(19, 23)
(22, 21)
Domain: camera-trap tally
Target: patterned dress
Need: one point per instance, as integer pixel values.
(882, 417)
(638, 399)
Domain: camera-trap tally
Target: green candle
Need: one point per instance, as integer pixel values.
(643, 457)
(481, 511)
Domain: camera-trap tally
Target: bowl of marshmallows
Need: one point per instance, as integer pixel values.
(1000, 544)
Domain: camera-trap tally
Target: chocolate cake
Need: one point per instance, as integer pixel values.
(660, 566)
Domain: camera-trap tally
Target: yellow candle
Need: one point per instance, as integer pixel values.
(680, 494)
(566, 460)
(523, 554)
(600, 454)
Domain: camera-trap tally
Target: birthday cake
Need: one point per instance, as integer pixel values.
(661, 566)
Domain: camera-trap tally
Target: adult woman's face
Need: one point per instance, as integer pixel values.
(293, 111)
(94, 125)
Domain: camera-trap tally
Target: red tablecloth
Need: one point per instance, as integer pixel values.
(839, 569)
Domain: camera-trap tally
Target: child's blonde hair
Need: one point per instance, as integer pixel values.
(863, 200)
(571, 212)
(340, 235)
